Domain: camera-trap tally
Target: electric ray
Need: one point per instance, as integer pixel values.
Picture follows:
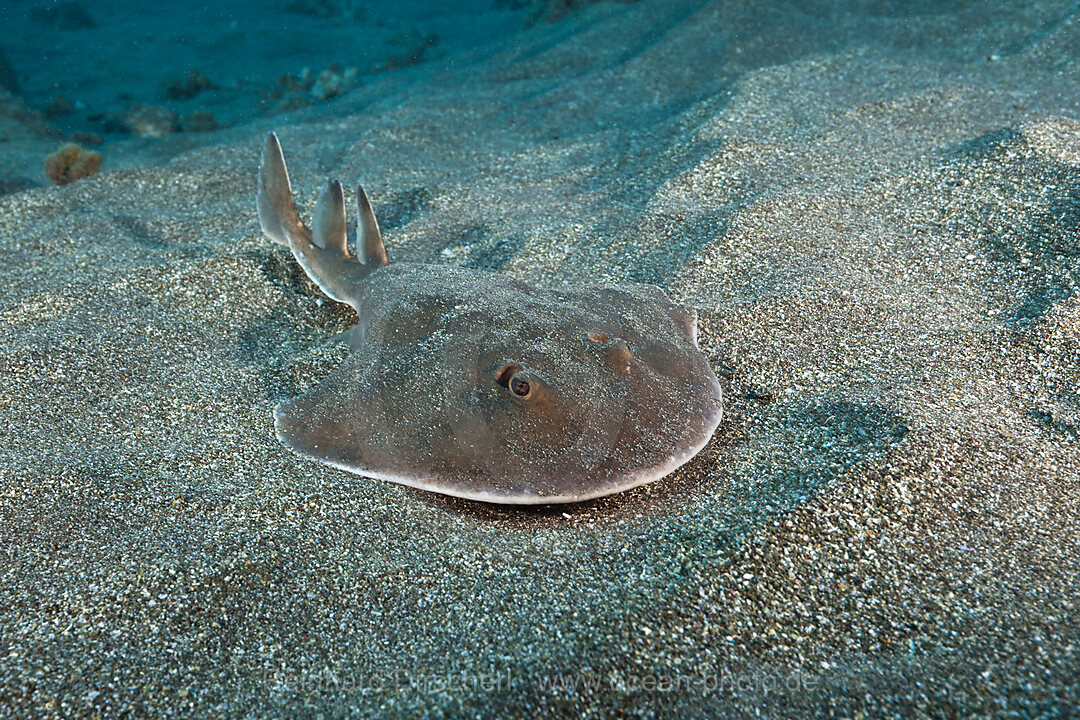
(478, 385)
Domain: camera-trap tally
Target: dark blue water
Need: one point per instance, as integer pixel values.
(83, 65)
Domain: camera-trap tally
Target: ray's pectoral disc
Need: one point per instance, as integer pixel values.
(477, 385)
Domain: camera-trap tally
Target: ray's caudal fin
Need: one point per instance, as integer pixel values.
(323, 250)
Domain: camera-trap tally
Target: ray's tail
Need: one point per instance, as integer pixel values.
(322, 250)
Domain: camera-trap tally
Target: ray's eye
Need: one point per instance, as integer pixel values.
(508, 376)
(520, 387)
(597, 337)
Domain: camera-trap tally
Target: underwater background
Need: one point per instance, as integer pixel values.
(873, 207)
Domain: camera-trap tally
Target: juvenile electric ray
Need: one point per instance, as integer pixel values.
(481, 386)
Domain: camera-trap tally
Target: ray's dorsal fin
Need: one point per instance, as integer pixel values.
(369, 244)
(277, 209)
(328, 222)
(323, 254)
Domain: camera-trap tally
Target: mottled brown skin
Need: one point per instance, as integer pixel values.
(477, 385)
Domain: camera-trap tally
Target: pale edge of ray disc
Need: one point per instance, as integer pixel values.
(635, 479)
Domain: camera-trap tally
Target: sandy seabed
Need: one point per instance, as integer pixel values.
(876, 215)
